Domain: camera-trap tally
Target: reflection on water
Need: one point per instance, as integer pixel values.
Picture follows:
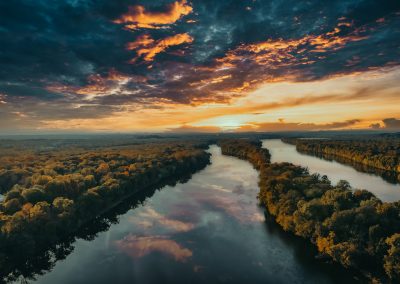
(139, 246)
(283, 152)
(389, 176)
(209, 230)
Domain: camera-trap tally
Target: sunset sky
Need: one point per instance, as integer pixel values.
(199, 66)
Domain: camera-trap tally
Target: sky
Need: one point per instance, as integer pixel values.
(199, 66)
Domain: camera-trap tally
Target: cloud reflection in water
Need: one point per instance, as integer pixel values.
(140, 246)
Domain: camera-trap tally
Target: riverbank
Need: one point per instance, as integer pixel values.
(355, 229)
(376, 154)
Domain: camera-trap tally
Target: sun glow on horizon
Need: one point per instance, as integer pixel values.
(363, 98)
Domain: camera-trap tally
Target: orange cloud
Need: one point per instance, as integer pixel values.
(147, 48)
(281, 52)
(295, 126)
(212, 80)
(333, 41)
(138, 247)
(138, 17)
(143, 40)
(195, 129)
(101, 84)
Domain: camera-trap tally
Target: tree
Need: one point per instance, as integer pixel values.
(63, 206)
(392, 259)
(34, 194)
(40, 210)
(11, 206)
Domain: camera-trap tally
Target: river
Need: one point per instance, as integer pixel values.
(208, 230)
(283, 152)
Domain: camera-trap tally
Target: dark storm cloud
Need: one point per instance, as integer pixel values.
(390, 123)
(85, 58)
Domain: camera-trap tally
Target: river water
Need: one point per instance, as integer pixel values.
(283, 152)
(208, 230)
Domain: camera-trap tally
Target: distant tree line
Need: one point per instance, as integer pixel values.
(352, 227)
(51, 194)
(379, 153)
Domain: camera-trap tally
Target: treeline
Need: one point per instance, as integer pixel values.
(246, 149)
(50, 194)
(353, 228)
(380, 153)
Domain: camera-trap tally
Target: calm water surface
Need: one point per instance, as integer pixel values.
(283, 152)
(208, 230)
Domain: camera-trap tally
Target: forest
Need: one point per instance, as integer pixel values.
(50, 192)
(380, 153)
(351, 227)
